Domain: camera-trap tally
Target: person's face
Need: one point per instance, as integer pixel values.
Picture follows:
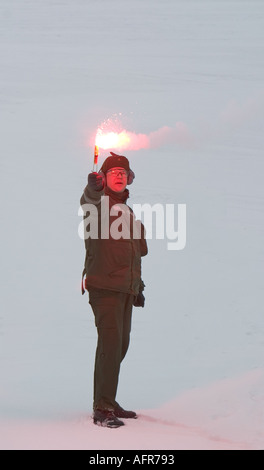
(116, 179)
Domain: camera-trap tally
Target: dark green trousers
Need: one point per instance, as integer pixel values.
(112, 312)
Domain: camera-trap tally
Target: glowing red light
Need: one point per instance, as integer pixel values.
(108, 140)
(96, 152)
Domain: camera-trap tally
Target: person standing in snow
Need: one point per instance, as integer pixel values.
(113, 279)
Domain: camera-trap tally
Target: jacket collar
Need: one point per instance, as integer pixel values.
(118, 197)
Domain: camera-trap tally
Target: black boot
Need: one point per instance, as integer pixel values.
(121, 413)
(107, 419)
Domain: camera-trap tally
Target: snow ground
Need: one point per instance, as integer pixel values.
(196, 358)
(226, 415)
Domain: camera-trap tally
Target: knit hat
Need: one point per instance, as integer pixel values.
(115, 161)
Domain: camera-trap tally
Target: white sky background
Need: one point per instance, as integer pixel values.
(65, 66)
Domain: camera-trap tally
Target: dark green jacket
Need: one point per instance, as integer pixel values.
(112, 263)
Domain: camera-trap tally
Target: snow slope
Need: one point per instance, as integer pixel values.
(196, 355)
(227, 415)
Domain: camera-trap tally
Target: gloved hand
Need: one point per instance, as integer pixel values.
(96, 181)
(139, 300)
